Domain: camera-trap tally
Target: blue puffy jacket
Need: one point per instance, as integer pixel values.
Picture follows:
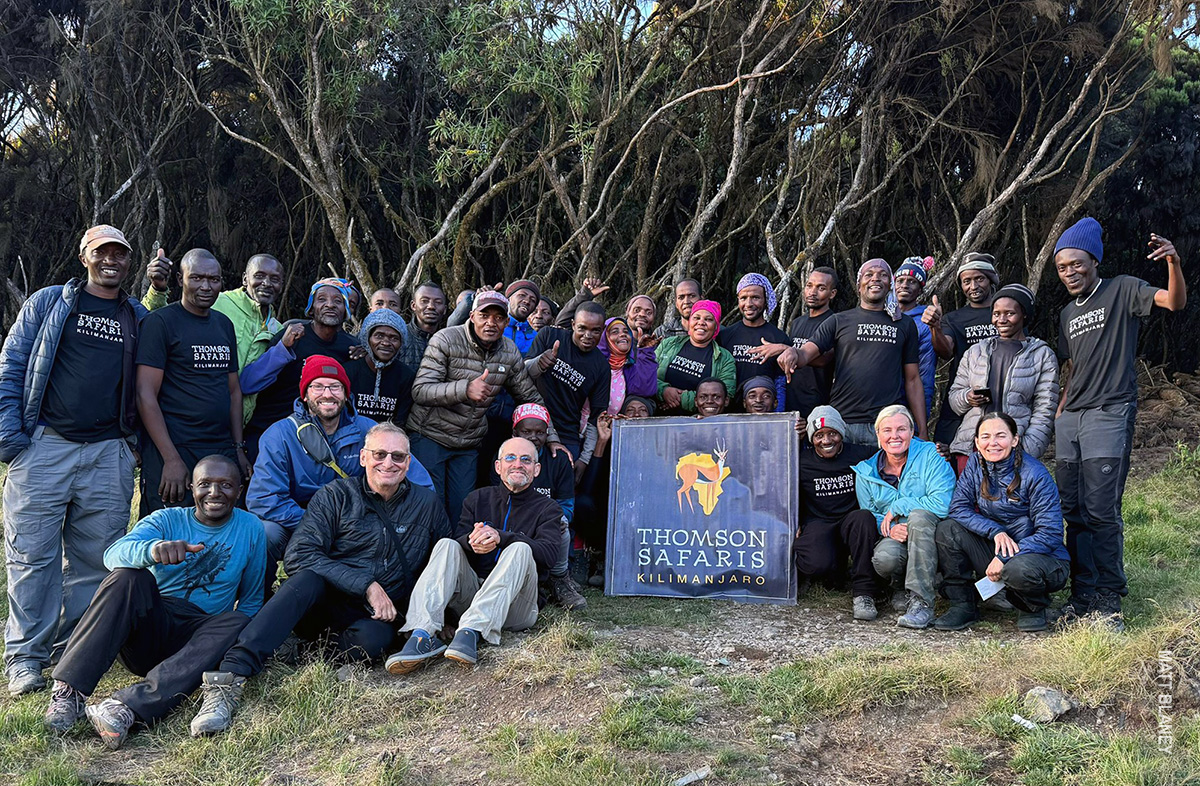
(286, 477)
(926, 483)
(28, 357)
(1034, 520)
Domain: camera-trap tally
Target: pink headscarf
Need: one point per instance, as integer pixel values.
(712, 307)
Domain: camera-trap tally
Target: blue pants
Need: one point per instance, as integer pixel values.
(452, 471)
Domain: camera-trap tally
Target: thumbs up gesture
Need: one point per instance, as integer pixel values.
(933, 313)
(159, 270)
(547, 358)
(479, 389)
(173, 552)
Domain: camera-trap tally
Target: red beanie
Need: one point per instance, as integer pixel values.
(317, 366)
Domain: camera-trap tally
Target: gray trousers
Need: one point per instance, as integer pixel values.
(914, 563)
(64, 504)
(507, 598)
(861, 434)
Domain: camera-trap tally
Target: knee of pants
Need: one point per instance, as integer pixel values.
(519, 551)
(277, 539)
(447, 547)
(922, 520)
(371, 638)
(127, 580)
(815, 563)
(948, 533)
(889, 560)
(304, 582)
(1022, 575)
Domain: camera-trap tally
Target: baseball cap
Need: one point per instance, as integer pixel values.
(101, 234)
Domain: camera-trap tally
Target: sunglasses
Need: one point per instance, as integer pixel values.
(512, 458)
(398, 456)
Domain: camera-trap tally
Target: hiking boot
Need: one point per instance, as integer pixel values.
(465, 647)
(290, 651)
(1031, 621)
(957, 617)
(566, 593)
(112, 720)
(919, 613)
(596, 570)
(66, 708)
(25, 677)
(1108, 607)
(417, 651)
(864, 608)
(222, 690)
(1073, 611)
(998, 603)
(900, 601)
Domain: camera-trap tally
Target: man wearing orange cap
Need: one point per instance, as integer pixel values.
(67, 431)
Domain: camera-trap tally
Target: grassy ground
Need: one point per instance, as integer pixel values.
(641, 692)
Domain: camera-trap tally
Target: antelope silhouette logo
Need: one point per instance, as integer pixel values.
(700, 472)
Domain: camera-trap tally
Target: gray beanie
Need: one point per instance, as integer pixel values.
(825, 417)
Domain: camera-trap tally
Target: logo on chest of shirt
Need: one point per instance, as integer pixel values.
(370, 403)
(886, 334)
(99, 327)
(1086, 323)
(210, 355)
(567, 375)
(977, 333)
(543, 492)
(693, 368)
(832, 487)
(741, 354)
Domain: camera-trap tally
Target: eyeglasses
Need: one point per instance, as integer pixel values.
(398, 456)
(513, 458)
(335, 387)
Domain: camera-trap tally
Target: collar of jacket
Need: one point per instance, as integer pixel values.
(71, 290)
(401, 491)
(417, 329)
(1001, 468)
(517, 326)
(241, 299)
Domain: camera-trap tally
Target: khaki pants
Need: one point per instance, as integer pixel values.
(508, 598)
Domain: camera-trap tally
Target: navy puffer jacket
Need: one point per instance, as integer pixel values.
(1034, 520)
(28, 357)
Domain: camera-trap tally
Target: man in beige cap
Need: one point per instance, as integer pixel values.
(67, 417)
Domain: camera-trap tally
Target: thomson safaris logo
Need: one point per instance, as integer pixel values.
(703, 473)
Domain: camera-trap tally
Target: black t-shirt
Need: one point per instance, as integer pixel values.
(998, 365)
(739, 338)
(827, 485)
(811, 385)
(275, 401)
(965, 327)
(83, 396)
(393, 399)
(691, 365)
(196, 355)
(576, 377)
(1100, 338)
(870, 350)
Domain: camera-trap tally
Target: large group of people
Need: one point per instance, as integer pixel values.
(404, 489)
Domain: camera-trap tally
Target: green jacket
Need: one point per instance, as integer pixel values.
(724, 368)
(253, 334)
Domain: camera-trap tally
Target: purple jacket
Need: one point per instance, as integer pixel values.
(641, 367)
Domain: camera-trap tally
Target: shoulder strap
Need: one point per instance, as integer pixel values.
(314, 444)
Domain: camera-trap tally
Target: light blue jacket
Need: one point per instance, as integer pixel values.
(926, 483)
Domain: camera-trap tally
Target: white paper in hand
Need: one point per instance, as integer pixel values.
(987, 588)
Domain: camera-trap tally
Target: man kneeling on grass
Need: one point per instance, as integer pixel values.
(167, 609)
(350, 565)
(507, 540)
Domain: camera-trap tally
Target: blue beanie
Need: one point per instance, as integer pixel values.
(1085, 236)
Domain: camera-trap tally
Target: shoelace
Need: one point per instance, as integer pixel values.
(219, 694)
(64, 698)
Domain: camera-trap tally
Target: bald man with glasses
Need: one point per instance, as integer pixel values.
(506, 541)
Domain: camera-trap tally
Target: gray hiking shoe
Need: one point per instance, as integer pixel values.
(566, 593)
(900, 601)
(919, 613)
(25, 677)
(66, 708)
(112, 720)
(222, 690)
(864, 608)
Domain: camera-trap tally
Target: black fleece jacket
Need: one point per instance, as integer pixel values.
(524, 517)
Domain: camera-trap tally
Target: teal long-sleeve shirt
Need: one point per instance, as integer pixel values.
(228, 571)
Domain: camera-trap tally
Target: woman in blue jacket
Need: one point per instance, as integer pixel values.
(1006, 523)
(907, 486)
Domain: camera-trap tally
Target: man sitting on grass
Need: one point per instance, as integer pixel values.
(184, 583)
(506, 541)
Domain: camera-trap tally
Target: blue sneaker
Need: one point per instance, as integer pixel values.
(417, 652)
(465, 647)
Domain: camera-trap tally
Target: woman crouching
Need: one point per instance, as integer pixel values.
(1005, 522)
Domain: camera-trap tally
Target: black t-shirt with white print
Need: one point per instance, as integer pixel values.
(810, 386)
(740, 338)
(196, 355)
(691, 365)
(870, 351)
(83, 396)
(1099, 334)
(394, 397)
(575, 378)
(827, 485)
